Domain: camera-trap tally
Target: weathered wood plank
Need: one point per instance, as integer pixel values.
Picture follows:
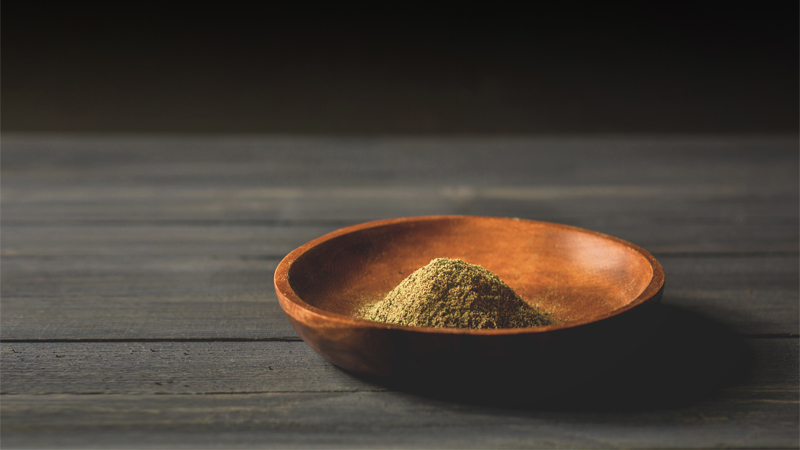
(684, 390)
(702, 227)
(371, 420)
(169, 368)
(708, 217)
(263, 242)
(296, 161)
(137, 276)
(260, 240)
(97, 293)
(34, 189)
(30, 195)
(247, 242)
(146, 317)
(670, 361)
(185, 297)
(381, 419)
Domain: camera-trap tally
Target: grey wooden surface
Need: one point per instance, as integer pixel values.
(138, 307)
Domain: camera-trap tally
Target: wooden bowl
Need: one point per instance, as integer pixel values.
(601, 290)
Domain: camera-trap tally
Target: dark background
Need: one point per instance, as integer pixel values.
(554, 67)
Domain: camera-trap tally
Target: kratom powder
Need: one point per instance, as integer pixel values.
(455, 294)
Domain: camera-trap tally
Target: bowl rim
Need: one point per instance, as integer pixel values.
(285, 292)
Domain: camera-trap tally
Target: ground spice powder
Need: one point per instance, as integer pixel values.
(455, 294)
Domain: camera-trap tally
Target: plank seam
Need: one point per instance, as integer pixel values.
(771, 336)
(77, 394)
(275, 339)
(91, 340)
(278, 257)
(732, 254)
(179, 223)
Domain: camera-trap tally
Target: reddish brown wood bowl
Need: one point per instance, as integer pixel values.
(600, 289)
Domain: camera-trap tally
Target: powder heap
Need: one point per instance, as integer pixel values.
(455, 294)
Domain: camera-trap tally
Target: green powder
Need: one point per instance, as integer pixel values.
(452, 293)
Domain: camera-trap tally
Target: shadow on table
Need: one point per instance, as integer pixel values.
(686, 359)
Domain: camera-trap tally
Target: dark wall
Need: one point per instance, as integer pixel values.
(555, 67)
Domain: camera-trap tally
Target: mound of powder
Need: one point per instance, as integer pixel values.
(455, 294)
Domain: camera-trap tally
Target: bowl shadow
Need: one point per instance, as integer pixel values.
(685, 359)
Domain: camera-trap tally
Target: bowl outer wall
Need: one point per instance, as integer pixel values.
(387, 350)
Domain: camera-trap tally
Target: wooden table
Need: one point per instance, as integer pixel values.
(138, 308)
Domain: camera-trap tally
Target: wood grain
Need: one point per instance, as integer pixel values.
(138, 309)
(698, 218)
(170, 368)
(658, 234)
(194, 296)
(370, 420)
(336, 162)
(304, 401)
(758, 365)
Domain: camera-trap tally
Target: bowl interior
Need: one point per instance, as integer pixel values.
(575, 274)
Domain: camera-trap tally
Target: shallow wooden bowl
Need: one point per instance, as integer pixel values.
(600, 289)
